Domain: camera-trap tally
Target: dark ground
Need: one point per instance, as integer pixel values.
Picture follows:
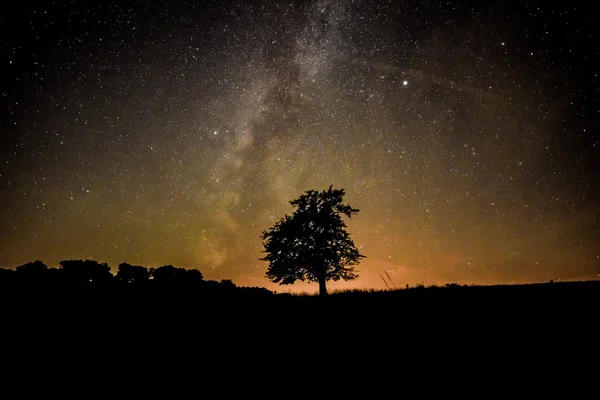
(109, 336)
(450, 306)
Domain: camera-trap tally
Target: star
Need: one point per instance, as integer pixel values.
(175, 121)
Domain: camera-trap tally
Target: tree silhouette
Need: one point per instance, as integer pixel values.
(132, 273)
(194, 277)
(85, 271)
(228, 284)
(169, 275)
(313, 243)
(33, 272)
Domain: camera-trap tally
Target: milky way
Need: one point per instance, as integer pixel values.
(176, 133)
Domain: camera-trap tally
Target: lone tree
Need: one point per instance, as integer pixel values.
(312, 244)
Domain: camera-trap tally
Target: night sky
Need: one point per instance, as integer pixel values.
(176, 132)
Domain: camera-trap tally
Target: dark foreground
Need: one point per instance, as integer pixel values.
(126, 305)
(121, 330)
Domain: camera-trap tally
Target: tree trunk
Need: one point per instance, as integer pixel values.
(322, 287)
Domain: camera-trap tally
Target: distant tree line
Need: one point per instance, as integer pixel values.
(94, 274)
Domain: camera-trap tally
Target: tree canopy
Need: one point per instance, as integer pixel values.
(136, 280)
(83, 271)
(312, 244)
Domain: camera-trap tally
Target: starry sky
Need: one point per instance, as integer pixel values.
(175, 132)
